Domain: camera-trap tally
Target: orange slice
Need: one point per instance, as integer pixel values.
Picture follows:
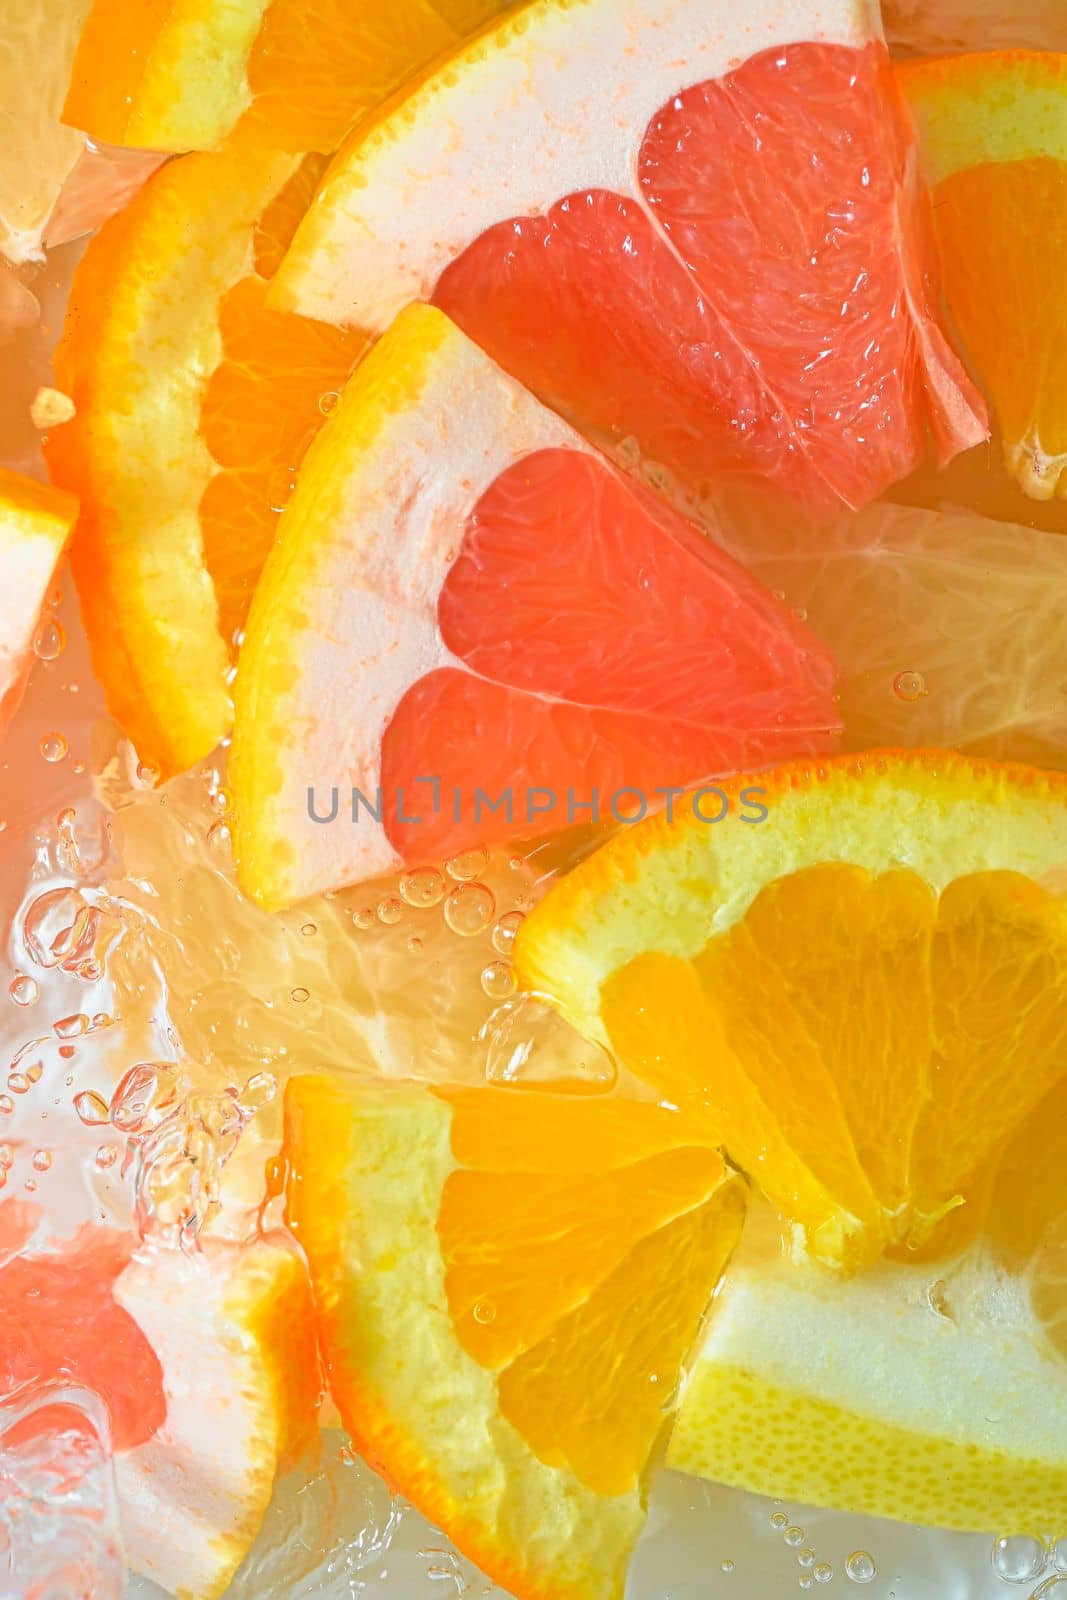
(35, 524)
(993, 135)
(508, 1283)
(861, 995)
(285, 75)
(621, 268)
(194, 406)
(459, 578)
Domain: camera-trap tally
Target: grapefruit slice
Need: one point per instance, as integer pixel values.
(472, 628)
(945, 625)
(194, 406)
(186, 74)
(35, 524)
(508, 1283)
(862, 996)
(207, 1365)
(722, 262)
(993, 135)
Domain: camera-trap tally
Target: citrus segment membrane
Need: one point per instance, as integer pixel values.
(280, 75)
(861, 998)
(723, 267)
(35, 524)
(993, 136)
(528, 1445)
(413, 637)
(194, 407)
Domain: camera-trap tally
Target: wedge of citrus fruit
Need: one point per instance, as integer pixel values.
(720, 264)
(993, 136)
(944, 624)
(925, 1394)
(194, 405)
(207, 1365)
(281, 76)
(35, 524)
(459, 579)
(862, 994)
(508, 1283)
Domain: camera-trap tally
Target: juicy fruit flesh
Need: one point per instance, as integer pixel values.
(1000, 225)
(673, 321)
(888, 1036)
(557, 1329)
(567, 662)
(60, 1321)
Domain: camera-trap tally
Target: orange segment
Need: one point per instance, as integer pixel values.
(525, 1426)
(894, 1025)
(993, 133)
(35, 524)
(184, 74)
(194, 407)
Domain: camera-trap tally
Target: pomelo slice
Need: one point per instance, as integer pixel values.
(288, 75)
(35, 524)
(945, 625)
(466, 602)
(925, 1394)
(862, 995)
(721, 262)
(194, 406)
(993, 136)
(233, 1329)
(508, 1282)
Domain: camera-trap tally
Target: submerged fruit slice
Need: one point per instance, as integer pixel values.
(287, 75)
(860, 996)
(945, 625)
(195, 404)
(993, 136)
(918, 1393)
(937, 27)
(35, 524)
(473, 627)
(234, 1332)
(508, 1283)
(720, 263)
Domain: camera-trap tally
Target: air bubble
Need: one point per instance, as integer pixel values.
(805, 1582)
(144, 1096)
(7, 1156)
(328, 401)
(793, 1536)
(218, 835)
(1058, 1554)
(363, 918)
(909, 686)
(1019, 1558)
(53, 747)
(91, 1108)
(467, 865)
(71, 1027)
(506, 932)
(423, 888)
(24, 991)
(299, 995)
(147, 774)
(7, 1105)
(18, 1082)
(860, 1567)
(309, 930)
(806, 1557)
(106, 1156)
(414, 945)
(60, 929)
(727, 1565)
(50, 640)
(469, 909)
(822, 1572)
(779, 1520)
(390, 911)
(484, 1312)
(41, 1160)
(498, 980)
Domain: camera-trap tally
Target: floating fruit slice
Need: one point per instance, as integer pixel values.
(195, 404)
(945, 625)
(234, 1332)
(35, 524)
(939, 27)
(643, 265)
(472, 627)
(993, 135)
(508, 1283)
(918, 1393)
(862, 995)
(285, 75)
